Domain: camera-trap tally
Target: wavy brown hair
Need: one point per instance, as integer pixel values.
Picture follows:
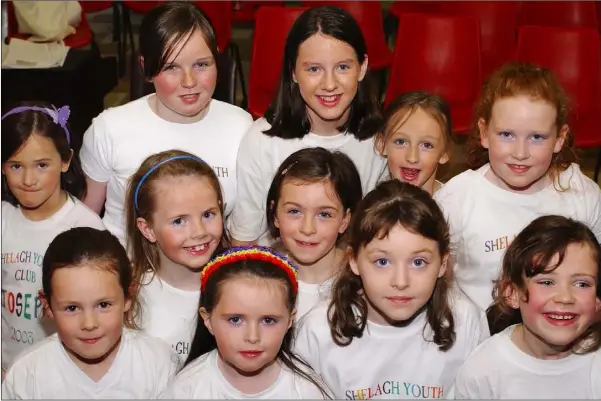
(531, 253)
(391, 203)
(145, 254)
(514, 79)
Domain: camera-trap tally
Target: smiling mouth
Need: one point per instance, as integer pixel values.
(409, 174)
(198, 249)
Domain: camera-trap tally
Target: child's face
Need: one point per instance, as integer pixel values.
(521, 139)
(328, 73)
(88, 304)
(187, 223)
(310, 217)
(398, 280)
(249, 322)
(561, 304)
(186, 84)
(33, 174)
(415, 149)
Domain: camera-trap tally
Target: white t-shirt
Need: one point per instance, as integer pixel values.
(202, 380)
(24, 243)
(391, 362)
(259, 158)
(169, 313)
(498, 369)
(309, 295)
(143, 368)
(120, 138)
(484, 219)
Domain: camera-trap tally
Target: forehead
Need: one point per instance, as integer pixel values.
(192, 46)
(93, 281)
(36, 147)
(410, 241)
(192, 188)
(325, 49)
(417, 121)
(524, 112)
(578, 260)
(252, 296)
(318, 193)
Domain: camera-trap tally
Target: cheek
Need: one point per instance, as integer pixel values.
(536, 301)
(166, 84)
(208, 78)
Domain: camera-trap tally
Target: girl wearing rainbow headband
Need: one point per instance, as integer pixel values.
(242, 344)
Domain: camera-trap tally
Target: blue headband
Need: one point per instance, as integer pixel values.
(59, 116)
(153, 168)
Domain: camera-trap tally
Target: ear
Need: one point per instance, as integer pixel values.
(443, 265)
(561, 138)
(65, 165)
(146, 229)
(345, 222)
(127, 305)
(292, 318)
(275, 215)
(482, 128)
(46, 305)
(511, 294)
(364, 66)
(294, 76)
(598, 306)
(381, 144)
(352, 260)
(444, 158)
(206, 318)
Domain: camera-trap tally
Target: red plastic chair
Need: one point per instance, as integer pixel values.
(498, 28)
(439, 54)
(272, 25)
(574, 55)
(81, 38)
(369, 17)
(566, 14)
(95, 6)
(245, 10)
(414, 7)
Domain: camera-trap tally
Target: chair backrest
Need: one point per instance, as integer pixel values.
(368, 15)
(498, 28)
(566, 14)
(400, 7)
(437, 53)
(95, 6)
(573, 54)
(220, 15)
(225, 89)
(272, 25)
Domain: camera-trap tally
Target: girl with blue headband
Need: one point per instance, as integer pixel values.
(41, 186)
(175, 216)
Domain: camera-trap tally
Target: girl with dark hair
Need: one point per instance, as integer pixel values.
(545, 314)
(241, 348)
(309, 206)
(178, 53)
(41, 184)
(97, 352)
(323, 100)
(395, 327)
(416, 138)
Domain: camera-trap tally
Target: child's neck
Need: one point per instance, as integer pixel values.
(534, 346)
(179, 276)
(326, 128)
(534, 187)
(46, 210)
(95, 369)
(321, 270)
(253, 383)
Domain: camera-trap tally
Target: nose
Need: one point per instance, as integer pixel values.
(90, 321)
(198, 230)
(251, 334)
(329, 82)
(564, 294)
(521, 150)
(308, 225)
(29, 177)
(400, 278)
(413, 154)
(189, 79)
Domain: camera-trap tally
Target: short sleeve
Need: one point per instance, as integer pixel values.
(595, 213)
(468, 386)
(96, 151)
(247, 220)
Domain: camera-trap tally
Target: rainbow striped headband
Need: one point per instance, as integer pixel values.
(252, 252)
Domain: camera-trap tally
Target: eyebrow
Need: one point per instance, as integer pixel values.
(299, 205)
(179, 216)
(428, 137)
(46, 159)
(208, 58)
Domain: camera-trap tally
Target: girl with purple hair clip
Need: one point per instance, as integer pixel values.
(42, 183)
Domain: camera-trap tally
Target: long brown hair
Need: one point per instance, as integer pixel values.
(530, 254)
(514, 79)
(391, 203)
(145, 254)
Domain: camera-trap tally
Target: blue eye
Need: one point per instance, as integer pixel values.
(70, 308)
(538, 137)
(208, 215)
(178, 222)
(428, 145)
(419, 263)
(505, 135)
(293, 211)
(235, 320)
(400, 142)
(382, 262)
(344, 67)
(325, 215)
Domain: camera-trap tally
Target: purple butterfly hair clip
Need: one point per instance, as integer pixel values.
(59, 116)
